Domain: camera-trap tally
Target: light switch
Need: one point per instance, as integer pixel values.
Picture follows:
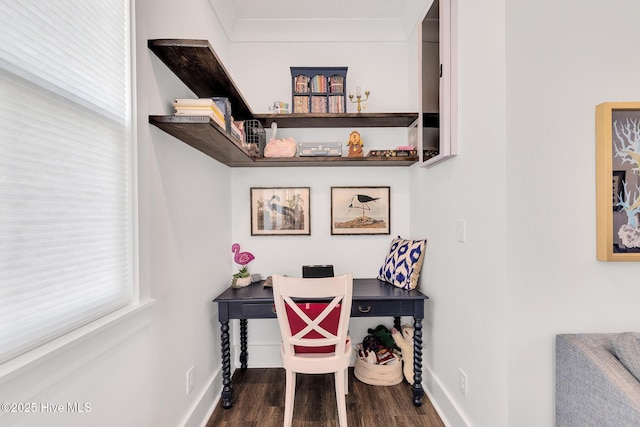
(461, 230)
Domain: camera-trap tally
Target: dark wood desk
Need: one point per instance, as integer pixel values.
(371, 298)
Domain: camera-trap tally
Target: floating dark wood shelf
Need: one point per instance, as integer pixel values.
(197, 65)
(335, 161)
(338, 120)
(205, 135)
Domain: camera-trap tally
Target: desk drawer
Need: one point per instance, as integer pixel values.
(255, 311)
(376, 308)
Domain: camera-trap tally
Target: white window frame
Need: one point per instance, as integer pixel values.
(25, 375)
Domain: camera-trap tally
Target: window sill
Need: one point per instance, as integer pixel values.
(45, 365)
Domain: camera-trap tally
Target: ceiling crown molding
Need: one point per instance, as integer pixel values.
(280, 23)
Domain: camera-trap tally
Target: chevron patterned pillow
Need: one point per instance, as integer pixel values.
(403, 263)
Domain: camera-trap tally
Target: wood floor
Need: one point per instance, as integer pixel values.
(258, 401)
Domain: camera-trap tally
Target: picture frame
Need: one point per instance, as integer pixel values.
(618, 181)
(360, 210)
(280, 211)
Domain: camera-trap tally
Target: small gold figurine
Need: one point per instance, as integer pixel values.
(355, 144)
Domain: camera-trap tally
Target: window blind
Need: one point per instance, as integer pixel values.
(65, 167)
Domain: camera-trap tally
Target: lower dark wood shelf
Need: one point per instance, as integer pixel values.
(357, 120)
(334, 161)
(203, 134)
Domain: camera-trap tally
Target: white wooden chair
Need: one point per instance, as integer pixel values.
(314, 334)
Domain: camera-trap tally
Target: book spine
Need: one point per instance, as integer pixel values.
(197, 102)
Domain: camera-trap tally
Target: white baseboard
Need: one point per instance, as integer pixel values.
(202, 408)
(200, 412)
(441, 400)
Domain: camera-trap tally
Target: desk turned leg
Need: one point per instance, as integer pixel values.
(418, 391)
(226, 366)
(243, 344)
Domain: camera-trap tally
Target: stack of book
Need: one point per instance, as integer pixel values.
(318, 104)
(319, 84)
(336, 84)
(301, 83)
(217, 108)
(300, 104)
(236, 130)
(336, 104)
(199, 107)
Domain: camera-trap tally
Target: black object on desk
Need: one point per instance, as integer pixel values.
(371, 298)
(316, 271)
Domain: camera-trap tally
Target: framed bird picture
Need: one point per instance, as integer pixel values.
(280, 211)
(360, 210)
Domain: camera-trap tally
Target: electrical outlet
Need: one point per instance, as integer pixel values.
(461, 230)
(463, 382)
(190, 379)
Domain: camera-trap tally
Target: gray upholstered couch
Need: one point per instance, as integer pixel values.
(593, 387)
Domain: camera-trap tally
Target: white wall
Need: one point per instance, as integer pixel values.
(185, 215)
(360, 255)
(465, 326)
(531, 74)
(563, 58)
(261, 70)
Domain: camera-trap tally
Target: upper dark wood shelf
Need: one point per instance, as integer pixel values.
(197, 65)
(338, 120)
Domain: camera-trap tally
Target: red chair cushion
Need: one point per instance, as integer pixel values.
(313, 310)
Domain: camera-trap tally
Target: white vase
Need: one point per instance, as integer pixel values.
(241, 282)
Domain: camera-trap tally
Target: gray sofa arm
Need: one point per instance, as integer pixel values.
(592, 387)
